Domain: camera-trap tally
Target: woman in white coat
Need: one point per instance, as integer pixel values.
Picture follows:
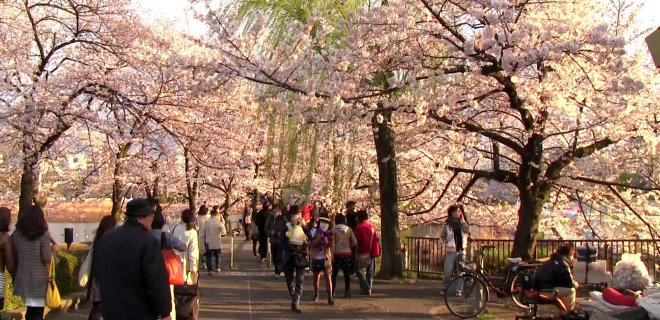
(454, 236)
(214, 230)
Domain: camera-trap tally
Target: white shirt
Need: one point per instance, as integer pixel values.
(190, 258)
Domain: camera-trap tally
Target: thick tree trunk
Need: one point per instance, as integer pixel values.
(391, 262)
(29, 183)
(191, 181)
(529, 214)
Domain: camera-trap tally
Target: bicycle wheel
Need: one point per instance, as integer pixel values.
(466, 296)
(517, 287)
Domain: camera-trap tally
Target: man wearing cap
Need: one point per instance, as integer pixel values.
(130, 268)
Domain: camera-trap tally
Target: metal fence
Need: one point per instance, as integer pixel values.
(426, 255)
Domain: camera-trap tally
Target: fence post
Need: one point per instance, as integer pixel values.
(419, 257)
(231, 253)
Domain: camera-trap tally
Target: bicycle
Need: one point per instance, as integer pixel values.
(467, 295)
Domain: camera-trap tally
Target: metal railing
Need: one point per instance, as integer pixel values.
(426, 255)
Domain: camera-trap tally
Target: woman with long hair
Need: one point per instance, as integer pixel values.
(32, 243)
(94, 291)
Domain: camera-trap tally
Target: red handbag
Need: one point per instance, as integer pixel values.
(172, 263)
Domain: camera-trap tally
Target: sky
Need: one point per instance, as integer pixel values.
(179, 11)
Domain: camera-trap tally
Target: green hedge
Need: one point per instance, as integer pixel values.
(66, 273)
(11, 301)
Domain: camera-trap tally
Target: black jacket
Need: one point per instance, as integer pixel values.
(555, 272)
(132, 275)
(351, 219)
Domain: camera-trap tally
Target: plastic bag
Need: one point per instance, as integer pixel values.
(630, 273)
(85, 269)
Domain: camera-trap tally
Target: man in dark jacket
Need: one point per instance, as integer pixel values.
(351, 215)
(274, 224)
(260, 220)
(555, 274)
(131, 271)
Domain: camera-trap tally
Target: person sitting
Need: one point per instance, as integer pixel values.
(555, 274)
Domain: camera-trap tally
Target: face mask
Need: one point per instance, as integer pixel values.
(324, 226)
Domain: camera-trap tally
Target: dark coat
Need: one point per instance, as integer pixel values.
(351, 219)
(132, 275)
(555, 272)
(260, 220)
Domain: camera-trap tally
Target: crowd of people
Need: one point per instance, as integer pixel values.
(129, 280)
(304, 239)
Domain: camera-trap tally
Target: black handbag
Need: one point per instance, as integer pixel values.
(299, 252)
(186, 300)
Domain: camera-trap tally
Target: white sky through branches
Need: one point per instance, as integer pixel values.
(181, 12)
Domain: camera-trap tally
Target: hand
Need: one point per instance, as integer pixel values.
(166, 318)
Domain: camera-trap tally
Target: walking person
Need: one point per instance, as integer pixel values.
(169, 241)
(247, 221)
(260, 221)
(214, 230)
(293, 250)
(344, 245)
(454, 235)
(321, 254)
(368, 249)
(351, 215)
(254, 233)
(186, 233)
(32, 244)
(131, 270)
(106, 224)
(274, 224)
(7, 253)
(202, 216)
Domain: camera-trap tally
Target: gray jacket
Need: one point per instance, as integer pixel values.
(32, 265)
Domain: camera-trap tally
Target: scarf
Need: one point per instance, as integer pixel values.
(455, 225)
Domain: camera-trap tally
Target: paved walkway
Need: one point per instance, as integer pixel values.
(250, 292)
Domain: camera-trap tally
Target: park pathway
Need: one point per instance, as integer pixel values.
(249, 291)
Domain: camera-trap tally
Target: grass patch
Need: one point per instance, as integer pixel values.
(11, 301)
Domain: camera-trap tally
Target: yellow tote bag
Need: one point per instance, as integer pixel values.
(53, 300)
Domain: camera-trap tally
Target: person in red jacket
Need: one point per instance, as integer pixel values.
(368, 249)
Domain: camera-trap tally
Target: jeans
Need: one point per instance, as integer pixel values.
(210, 255)
(367, 283)
(451, 264)
(295, 288)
